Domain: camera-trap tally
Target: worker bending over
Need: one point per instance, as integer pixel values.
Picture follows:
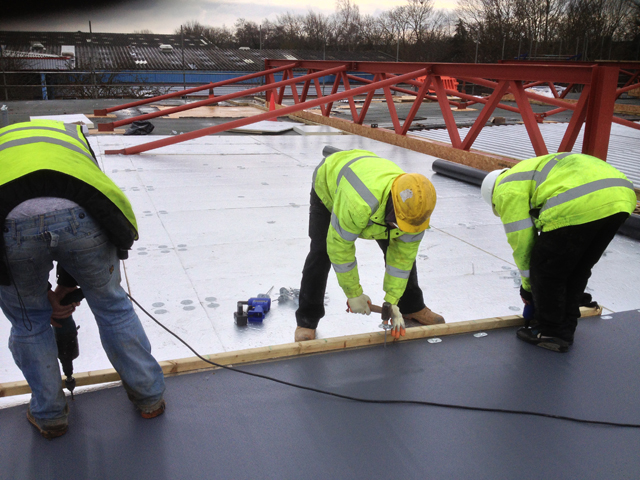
(57, 205)
(560, 212)
(357, 194)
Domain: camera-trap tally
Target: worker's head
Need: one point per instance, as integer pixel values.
(414, 198)
(488, 184)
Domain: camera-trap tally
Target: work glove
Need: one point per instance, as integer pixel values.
(527, 297)
(397, 322)
(359, 304)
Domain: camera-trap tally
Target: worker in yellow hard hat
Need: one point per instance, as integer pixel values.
(357, 194)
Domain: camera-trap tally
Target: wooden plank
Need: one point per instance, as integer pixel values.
(117, 131)
(290, 350)
(473, 158)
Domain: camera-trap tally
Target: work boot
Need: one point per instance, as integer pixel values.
(51, 430)
(303, 334)
(154, 410)
(534, 337)
(425, 317)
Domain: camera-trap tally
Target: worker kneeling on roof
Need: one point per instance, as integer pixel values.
(357, 194)
(57, 205)
(560, 212)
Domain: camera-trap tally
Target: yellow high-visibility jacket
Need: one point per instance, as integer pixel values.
(555, 191)
(46, 158)
(355, 186)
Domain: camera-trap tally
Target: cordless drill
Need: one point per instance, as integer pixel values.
(67, 340)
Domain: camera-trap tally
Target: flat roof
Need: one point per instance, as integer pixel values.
(222, 424)
(224, 218)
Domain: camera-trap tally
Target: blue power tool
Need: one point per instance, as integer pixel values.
(256, 309)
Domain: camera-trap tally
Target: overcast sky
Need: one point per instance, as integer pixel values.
(164, 16)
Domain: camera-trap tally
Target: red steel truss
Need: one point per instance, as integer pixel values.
(594, 108)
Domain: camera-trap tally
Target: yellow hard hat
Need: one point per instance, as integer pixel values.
(414, 198)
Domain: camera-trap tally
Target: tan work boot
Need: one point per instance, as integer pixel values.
(304, 334)
(154, 410)
(425, 317)
(54, 429)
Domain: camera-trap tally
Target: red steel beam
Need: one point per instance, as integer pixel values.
(537, 142)
(103, 112)
(109, 127)
(447, 114)
(600, 112)
(392, 108)
(367, 102)
(486, 112)
(575, 124)
(551, 73)
(595, 106)
(264, 116)
(352, 104)
(421, 94)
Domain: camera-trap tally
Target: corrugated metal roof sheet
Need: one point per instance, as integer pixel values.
(513, 141)
(120, 51)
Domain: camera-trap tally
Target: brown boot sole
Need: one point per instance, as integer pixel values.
(304, 336)
(155, 413)
(49, 433)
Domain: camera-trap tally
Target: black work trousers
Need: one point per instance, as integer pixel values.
(561, 263)
(317, 266)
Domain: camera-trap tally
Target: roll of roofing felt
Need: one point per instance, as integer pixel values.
(329, 150)
(459, 172)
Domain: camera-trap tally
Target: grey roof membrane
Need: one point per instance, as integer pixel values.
(226, 425)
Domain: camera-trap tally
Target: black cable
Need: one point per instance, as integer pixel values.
(388, 402)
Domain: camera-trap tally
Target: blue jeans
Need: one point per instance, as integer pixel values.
(78, 243)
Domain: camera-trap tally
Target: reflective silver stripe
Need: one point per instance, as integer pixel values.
(519, 176)
(536, 176)
(524, 273)
(358, 185)
(344, 267)
(29, 140)
(345, 235)
(407, 238)
(396, 272)
(519, 225)
(69, 129)
(585, 189)
(347, 166)
(541, 176)
(315, 172)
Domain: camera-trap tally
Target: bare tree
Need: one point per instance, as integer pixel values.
(418, 14)
(193, 28)
(221, 37)
(347, 24)
(290, 30)
(394, 26)
(247, 33)
(589, 23)
(317, 29)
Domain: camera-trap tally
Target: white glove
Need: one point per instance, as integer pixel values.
(397, 321)
(359, 304)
